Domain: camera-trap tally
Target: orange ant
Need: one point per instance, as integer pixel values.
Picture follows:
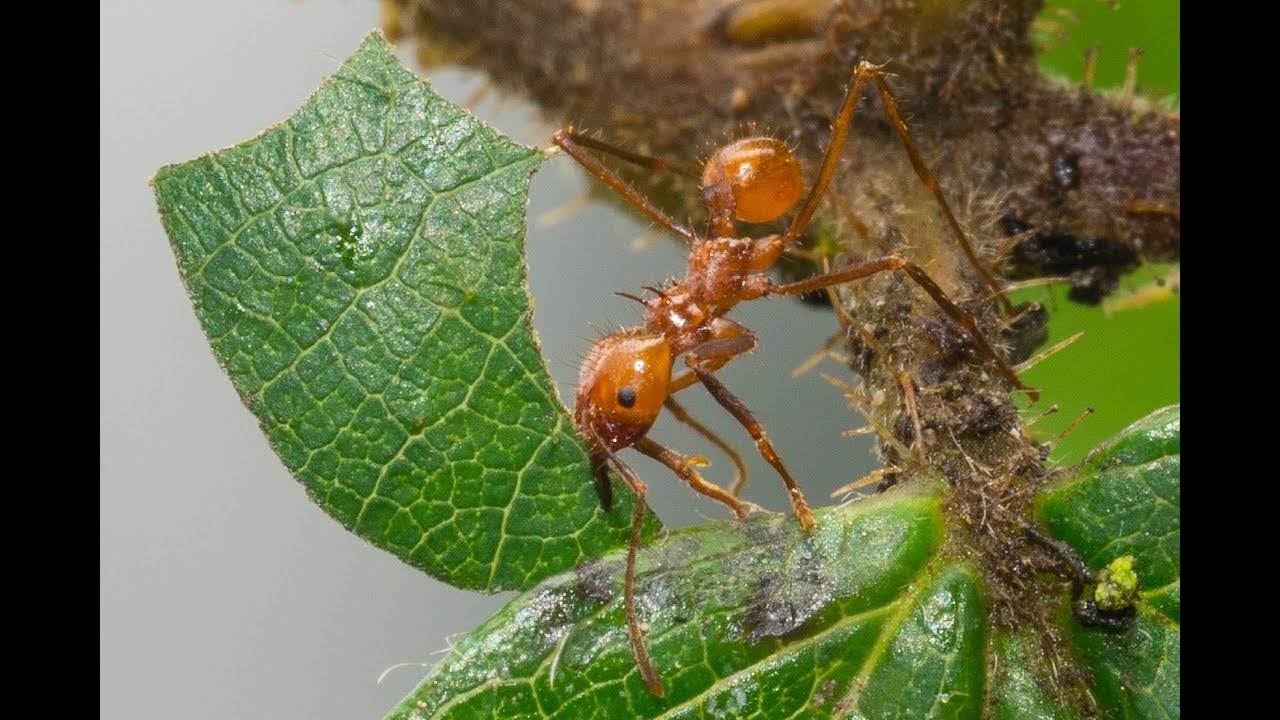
(627, 376)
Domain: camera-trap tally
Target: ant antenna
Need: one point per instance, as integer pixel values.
(629, 296)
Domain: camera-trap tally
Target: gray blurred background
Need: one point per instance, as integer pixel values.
(224, 592)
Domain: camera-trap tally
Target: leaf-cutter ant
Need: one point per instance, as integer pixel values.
(627, 376)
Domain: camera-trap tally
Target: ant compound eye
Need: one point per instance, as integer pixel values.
(627, 397)
(763, 174)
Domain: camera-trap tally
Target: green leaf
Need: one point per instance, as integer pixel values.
(1136, 673)
(1018, 691)
(750, 619)
(867, 617)
(1124, 500)
(359, 270)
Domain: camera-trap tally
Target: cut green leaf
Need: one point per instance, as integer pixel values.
(359, 270)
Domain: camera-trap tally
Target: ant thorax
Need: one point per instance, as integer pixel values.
(724, 271)
(677, 315)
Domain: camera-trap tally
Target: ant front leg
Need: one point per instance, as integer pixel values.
(715, 353)
(634, 632)
(921, 278)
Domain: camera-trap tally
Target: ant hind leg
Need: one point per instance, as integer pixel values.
(566, 140)
(839, 132)
(931, 183)
(646, 161)
(921, 278)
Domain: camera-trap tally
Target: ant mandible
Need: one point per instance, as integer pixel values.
(627, 377)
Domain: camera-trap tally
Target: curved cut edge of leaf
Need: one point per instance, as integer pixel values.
(750, 619)
(1125, 500)
(359, 270)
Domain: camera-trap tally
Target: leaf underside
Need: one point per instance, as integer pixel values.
(359, 270)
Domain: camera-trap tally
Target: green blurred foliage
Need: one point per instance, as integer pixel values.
(1127, 364)
(1152, 25)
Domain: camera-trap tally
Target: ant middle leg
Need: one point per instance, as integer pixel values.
(839, 133)
(681, 466)
(714, 353)
(921, 278)
(739, 465)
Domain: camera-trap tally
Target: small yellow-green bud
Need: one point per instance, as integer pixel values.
(1117, 585)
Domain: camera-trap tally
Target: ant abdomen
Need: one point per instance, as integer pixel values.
(760, 174)
(622, 386)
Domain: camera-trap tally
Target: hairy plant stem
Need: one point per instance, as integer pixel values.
(1092, 181)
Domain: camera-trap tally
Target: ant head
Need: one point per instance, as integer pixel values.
(759, 175)
(622, 386)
